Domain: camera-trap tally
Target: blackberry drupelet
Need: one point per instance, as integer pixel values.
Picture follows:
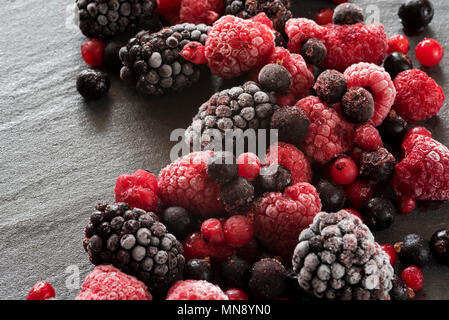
(106, 18)
(234, 111)
(338, 258)
(135, 242)
(154, 62)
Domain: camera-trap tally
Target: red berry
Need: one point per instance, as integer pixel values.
(249, 165)
(359, 192)
(398, 43)
(195, 247)
(344, 171)
(41, 291)
(429, 52)
(92, 52)
(413, 277)
(194, 52)
(354, 212)
(418, 130)
(368, 138)
(405, 204)
(389, 249)
(238, 231)
(339, 1)
(236, 294)
(324, 16)
(212, 230)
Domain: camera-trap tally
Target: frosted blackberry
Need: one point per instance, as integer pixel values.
(106, 18)
(231, 112)
(154, 62)
(338, 258)
(134, 241)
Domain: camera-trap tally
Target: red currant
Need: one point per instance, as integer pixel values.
(344, 171)
(249, 165)
(354, 212)
(92, 52)
(359, 192)
(41, 291)
(236, 294)
(429, 52)
(418, 130)
(324, 16)
(398, 43)
(195, 247)
(212, 230)
(238, 231)
(389, 249)
(406, 204)
(413, 277)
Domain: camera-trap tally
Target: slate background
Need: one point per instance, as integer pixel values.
(60, 155)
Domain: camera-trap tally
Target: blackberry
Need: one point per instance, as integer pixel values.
(237, 194)
(277, 181)
(330, 86)
(378, 213)
(292, 124)
(348, 13)
(413, 250)
(222, 167)
(135, 242)
(274, 77)
(338, 258)
(314, 51)
(332, 196)
(268, 279)
(198, 269)
(178, 221)
(154, 62)
(416, 14)
(357, 105)
(397, 62)
(377, 166)
(93, 84)
(106, 18)
(235, 272)
(232, 112)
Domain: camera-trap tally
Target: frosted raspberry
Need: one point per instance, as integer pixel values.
(185, 183)
(138, 190)
(345, 44)
(235, 46)
(329, 134)
(379, 82)
(195, 290)
(201, 11)
(418, 96)
(280, 218)
(292, 158)
(423, 174)
(368, 138)
(106, 282)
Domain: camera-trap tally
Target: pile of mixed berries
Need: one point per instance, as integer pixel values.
(297, 222)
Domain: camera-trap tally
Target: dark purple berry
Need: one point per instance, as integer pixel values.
(292, 124)
(273, 180)
(235, 272)
(393, 127)
(198, 269)
(274, 77)
(348, 13)
(237, 194)
(378, 213)
(332, 196)
(377, 166)
(413, 250)
(416, 14)
(222, 167)
(357, 105)
(111, 58)
(93, 84)
(268, 279)
(397, 62)
(400, 290)
(313, 51)
(439, 245)
(330, 86)
(178, 221)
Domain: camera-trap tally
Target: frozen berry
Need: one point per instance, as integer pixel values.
(324, 16)
(178, 221)
(398, 43)
(418, 130)
(357, 105)
(111, 58)
(222, 167)
(198, 269)
(249, 165)
(348, 13)
(272, 180)
(343, 171)
(268, 279)
(92, 84)
(439, 245)
(359, 192)
(416, 14)
(292, 124)
(393, 126)
(368, 138)
(313, 51)
(413, 250)
(212, 230)
(238, 231)
(92, 52)
(237, 194)
(275, 77)
(41, 291)
(195, 247)
(429, 52)
(330, 86)
(251, 252)
(377, 166)
(400, 290)
(405, 204)
(389, 249)
(413, 277)
(236, 294)
(235, 272)
(397, 62)
(378, 213)
(195, 290)
(332, 196)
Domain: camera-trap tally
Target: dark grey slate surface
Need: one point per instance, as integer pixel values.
(61, 155)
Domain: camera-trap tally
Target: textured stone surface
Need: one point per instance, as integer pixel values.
(61, 155)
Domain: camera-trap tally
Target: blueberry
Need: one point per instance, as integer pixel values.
(273, 181)
(378, 213)
(198, 269)
(348, 13)
(222, 167)
(413, 250)
(439, 245)
(93, 84)
(275, 77)
(178, 221)
(397, 62)
(292, 124)
(332, 195)
(235, 272)
(416, 14)
(313, 51)
(357, 105)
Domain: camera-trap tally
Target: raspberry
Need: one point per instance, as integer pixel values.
(106, 282)
(368, 138)
(418, 96)
(398, 43)
(201, 11)
(417, 130)
(249, 165)
(238, 231)
(236, 294)
(292, 158)
(359, 192)
(280, 217)
(346, 45)
(329, 134)
(405, 204)
(185, 183)
(324, 16)
(212, 231)
(379, 83)
(429, 52)
(413, 277)
(92, 52)
(424, 171)
(195, 290)
(138, 190)
(389, 249)
(41, 291)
